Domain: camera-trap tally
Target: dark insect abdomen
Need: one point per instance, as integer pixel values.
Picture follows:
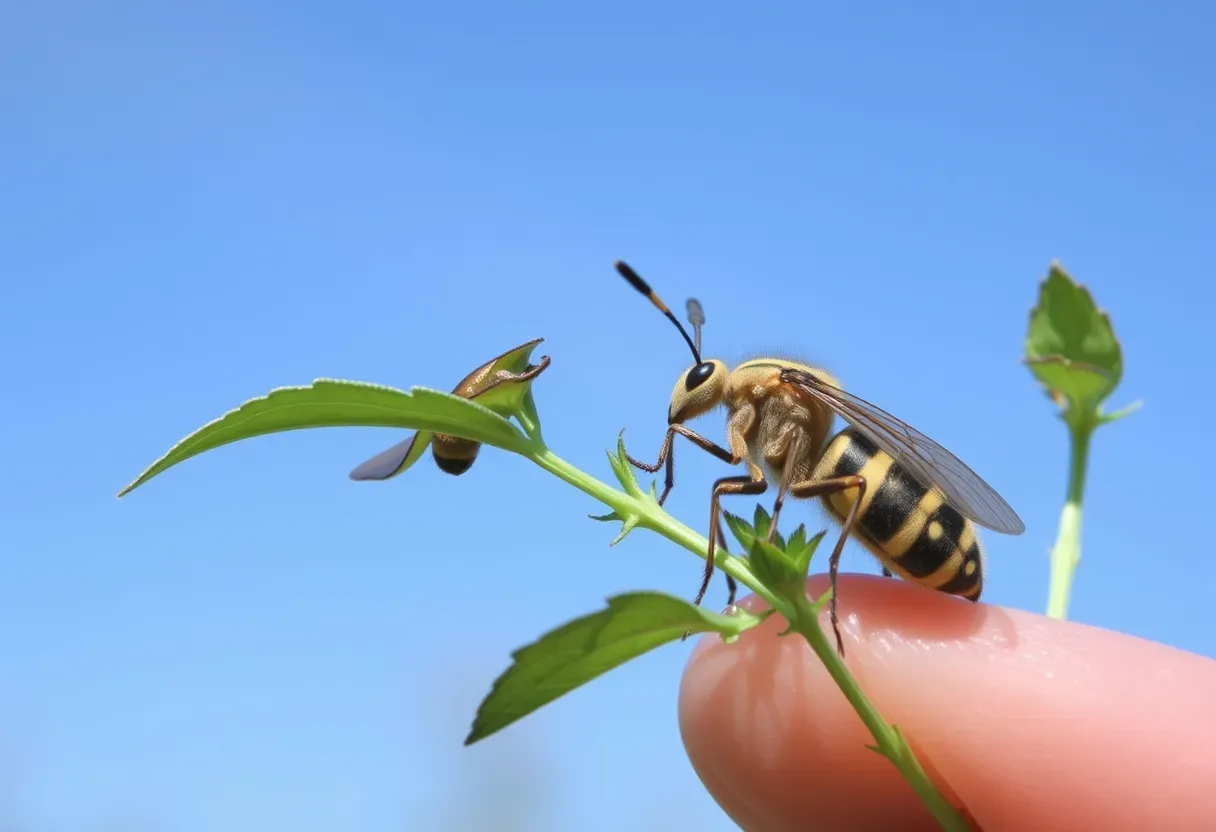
(902, 522)
(454, 455)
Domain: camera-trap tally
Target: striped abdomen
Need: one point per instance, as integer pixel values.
(906, 525)
(453, 454)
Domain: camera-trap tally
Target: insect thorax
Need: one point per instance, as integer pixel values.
(787, 433)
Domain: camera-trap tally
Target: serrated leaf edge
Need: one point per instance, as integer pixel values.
(709, 622)
(184, 446)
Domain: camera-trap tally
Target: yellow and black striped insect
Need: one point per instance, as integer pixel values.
(494, 384)
(908, 500)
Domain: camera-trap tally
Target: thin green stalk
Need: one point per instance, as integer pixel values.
(801, 613)
(657, 520)
(890, 742)
(1066, 553)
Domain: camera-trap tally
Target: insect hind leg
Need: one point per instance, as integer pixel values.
(824, 488)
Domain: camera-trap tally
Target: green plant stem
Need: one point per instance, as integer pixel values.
(890, 742)
(654, 518)
(1066, 553)
(802, 614)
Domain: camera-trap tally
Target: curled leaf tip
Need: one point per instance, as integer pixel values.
(1071, 348)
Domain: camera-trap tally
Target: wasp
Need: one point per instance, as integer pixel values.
(905, 498)
(500, 378)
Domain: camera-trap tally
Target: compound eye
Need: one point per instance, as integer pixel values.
(698, 375)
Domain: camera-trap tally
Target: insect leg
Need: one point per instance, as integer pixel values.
(731, 587)
(824, 488)
(727, 485)
(795, 465)
(886, 573)
(780, 501)
(666, 455)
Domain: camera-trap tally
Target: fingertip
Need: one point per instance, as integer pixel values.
(772, 739)
(1030, 722)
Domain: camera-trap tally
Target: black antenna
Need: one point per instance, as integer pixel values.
(696, 317)
(642, 286)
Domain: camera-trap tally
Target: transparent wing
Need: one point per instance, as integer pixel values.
(395, 460)
(924, 459)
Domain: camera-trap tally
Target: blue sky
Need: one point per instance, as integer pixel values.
(200, 205)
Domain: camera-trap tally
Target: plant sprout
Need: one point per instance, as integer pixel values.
(1072, 351)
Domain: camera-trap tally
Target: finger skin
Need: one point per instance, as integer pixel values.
(1033, 723)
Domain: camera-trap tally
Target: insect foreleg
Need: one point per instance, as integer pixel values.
(666, 455)
(824, 488)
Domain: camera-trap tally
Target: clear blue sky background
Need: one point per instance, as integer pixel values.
(199, 205)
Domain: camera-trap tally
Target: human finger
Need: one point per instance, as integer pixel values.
(1028, 721)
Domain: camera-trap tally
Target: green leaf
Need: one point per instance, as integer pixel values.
(606, 518)
(782, 565)
(1116, 415)
(743, 531)
(761, 521)
(624, 471)
(775, 567)
(627, 525)
(506, 397)
(503, 384)
(1071, 346)
(797, 540)
(1082, 385)
(336, 403)
(801, 551)
(529, 417)
(588, 647)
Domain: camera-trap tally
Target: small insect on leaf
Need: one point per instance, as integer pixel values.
(587, 647)
(335, 403)
(1071, 346)
(501, 385)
